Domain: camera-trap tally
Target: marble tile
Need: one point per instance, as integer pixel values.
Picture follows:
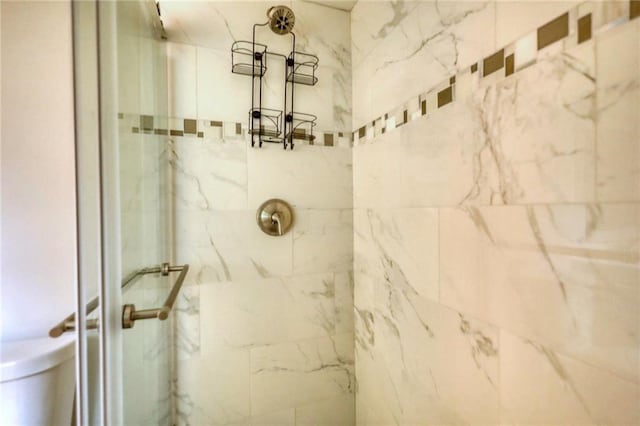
(366, 269)
(191, 23)
(563, 275)
(216, 25)
(432, 365)
(376, 172)
(142, 210)
(372, 407)
(267, 311)
(412, 46)
(618, 128)
(182, 80)
(342, 102)
(187, 319)
(228, 245)
(443, 167)
(331, 43)
(133, 367)
(128, 64)
(371, 22)
(307, 177)
(319, 99)
(214, 389)
(142, 170)
(297, 373)
(515, 19)
(322, 241)
(509, 143)
(222, 95)
(400, 245)
(606, 12)
(361, 98)
(157, 345)
(337, 411)
(533, 376)
(278, 418)
(210, 174)
(343, 302)
(152, 59)
(146, 368)
(540, 131)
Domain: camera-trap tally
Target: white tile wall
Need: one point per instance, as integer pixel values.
(496, 248)
(278, 312)
(491, 275)
(183, 84)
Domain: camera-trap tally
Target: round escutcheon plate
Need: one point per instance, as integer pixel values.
(275, 217)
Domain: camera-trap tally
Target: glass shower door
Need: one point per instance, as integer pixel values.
(124, 375)
(144, 211)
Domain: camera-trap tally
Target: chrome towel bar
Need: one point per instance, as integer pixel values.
(69, 323)
(130, 315)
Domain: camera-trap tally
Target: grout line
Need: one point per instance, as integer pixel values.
(439, 222)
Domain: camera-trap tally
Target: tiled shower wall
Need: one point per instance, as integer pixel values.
(496, 212)
(265, 324)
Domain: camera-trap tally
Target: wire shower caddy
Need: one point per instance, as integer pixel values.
(269, 125)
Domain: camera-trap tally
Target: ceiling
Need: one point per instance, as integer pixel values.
(336, 4)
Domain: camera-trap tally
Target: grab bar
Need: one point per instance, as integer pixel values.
(69, 323)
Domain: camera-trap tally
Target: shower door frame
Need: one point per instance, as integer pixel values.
(97, 194)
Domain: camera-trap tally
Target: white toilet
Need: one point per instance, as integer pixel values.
(37, 381)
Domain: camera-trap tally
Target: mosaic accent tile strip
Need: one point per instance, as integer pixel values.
(634, 9)
(573, 27)
(493, 63)
(584, 28)
(553, 31)
(215, 129)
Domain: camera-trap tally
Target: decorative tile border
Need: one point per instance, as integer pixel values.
(574, 27)
(214, 129)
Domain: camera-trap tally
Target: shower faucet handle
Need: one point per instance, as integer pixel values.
(275, 217)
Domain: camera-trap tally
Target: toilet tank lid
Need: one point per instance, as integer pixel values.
(22, 358)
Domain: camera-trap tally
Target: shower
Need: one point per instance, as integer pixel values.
(281, 19)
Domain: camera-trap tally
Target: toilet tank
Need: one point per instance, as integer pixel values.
(37, 381)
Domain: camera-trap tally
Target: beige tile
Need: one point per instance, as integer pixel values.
(267, 311)
(338, 411)
(376, 171)
(343, 302)
(425, 45)
(427, 364)
(294, 374)
(618, 125)
(540, 386)
(541, 131)
(563, 275)
(182, 80)
(514, 19)
(322, 241)
(199, 401)
(278, 418)
(307, 177)
(401, 244)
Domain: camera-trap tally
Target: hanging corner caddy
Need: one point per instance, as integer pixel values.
(249, 58)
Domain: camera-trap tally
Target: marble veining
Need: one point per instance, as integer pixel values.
(264, 324)
(496, 238)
